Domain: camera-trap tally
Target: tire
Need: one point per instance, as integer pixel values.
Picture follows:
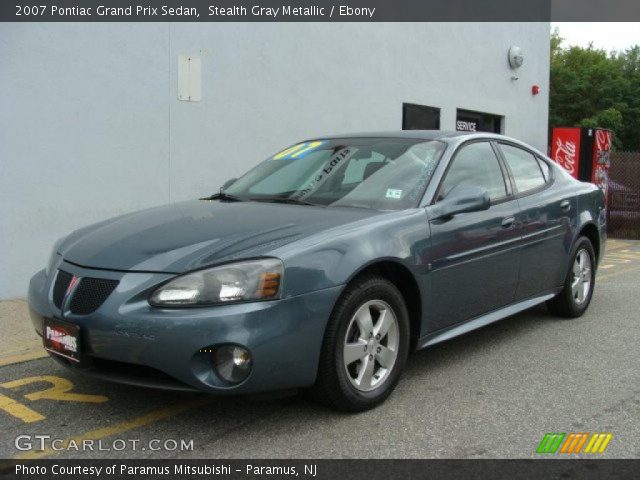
(354, 380)
(572, 302)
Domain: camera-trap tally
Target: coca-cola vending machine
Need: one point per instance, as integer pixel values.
(584, 153)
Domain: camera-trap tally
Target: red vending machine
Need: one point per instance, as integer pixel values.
(584, 153)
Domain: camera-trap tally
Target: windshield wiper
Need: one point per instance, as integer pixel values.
(224, 196)
(292, 201)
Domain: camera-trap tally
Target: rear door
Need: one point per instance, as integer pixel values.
(474, 258)
(545, 216)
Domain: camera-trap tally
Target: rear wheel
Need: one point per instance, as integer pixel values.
(576, 295)
(365, 346)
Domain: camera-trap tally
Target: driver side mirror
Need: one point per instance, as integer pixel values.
(228, 183)
(461, 199)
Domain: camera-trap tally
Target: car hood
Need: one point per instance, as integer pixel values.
(189, 235)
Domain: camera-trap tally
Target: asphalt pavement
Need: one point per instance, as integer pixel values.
(492, 393)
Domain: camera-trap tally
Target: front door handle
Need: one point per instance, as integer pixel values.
(565, 205)
(508, 222)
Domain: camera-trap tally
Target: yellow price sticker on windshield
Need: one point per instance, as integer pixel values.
(298, 151)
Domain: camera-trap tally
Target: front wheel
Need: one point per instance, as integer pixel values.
(365, 346)
(576, 294)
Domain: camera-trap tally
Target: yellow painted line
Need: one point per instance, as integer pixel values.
(616, 273)
(60, 390)
(23, 345)
(23, 357)
(17, 410)
(122, 427)
(604, 267)
(625, 256)
(616, 246)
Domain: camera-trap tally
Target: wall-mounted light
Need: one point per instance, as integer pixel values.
(516, 57)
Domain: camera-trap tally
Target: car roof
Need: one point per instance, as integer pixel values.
(416, 134)
(448, 136)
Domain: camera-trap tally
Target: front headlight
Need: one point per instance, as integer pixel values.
(243, 281)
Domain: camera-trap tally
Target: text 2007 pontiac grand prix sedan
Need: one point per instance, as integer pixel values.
(323, 267)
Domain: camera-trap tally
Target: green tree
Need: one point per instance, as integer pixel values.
(594, 88)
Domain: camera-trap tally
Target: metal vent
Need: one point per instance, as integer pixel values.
(63, 279)
(90, 294)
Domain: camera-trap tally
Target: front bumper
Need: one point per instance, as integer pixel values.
(128, 341)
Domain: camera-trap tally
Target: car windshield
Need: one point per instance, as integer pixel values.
(377, 173)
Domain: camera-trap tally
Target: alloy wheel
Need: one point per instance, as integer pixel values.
(581, 280)
(371, 345)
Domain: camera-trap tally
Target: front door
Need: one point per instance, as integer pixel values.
(475, 256)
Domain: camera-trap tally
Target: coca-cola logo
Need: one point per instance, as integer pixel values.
(565, 154)
(603, 140)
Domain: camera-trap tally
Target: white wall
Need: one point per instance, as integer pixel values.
(90, 124)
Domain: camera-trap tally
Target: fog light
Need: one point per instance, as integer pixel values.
(232, 363)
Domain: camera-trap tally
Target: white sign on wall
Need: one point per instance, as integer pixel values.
(189, 78)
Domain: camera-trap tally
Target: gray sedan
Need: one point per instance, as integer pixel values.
(323, 267)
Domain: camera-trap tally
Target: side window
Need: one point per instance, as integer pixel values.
(476, 164)
(525, 168)
(546, 170)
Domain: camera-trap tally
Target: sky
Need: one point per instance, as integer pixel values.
(607, 36)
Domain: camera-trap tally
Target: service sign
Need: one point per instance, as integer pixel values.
(465, 124)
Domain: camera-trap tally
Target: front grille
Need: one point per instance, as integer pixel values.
(90, 294)
(63, 279)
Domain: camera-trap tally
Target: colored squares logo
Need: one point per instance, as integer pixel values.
(550, 442)
(573, 443)
(598, 443)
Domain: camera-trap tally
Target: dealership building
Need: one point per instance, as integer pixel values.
(102, 119)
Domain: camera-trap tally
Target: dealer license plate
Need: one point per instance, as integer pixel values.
(62, 338)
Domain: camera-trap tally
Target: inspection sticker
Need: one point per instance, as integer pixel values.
(394, 193)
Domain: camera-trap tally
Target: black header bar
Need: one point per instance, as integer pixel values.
(318, 10)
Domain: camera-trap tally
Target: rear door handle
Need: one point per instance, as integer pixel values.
(565, 205)
(507, 222)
